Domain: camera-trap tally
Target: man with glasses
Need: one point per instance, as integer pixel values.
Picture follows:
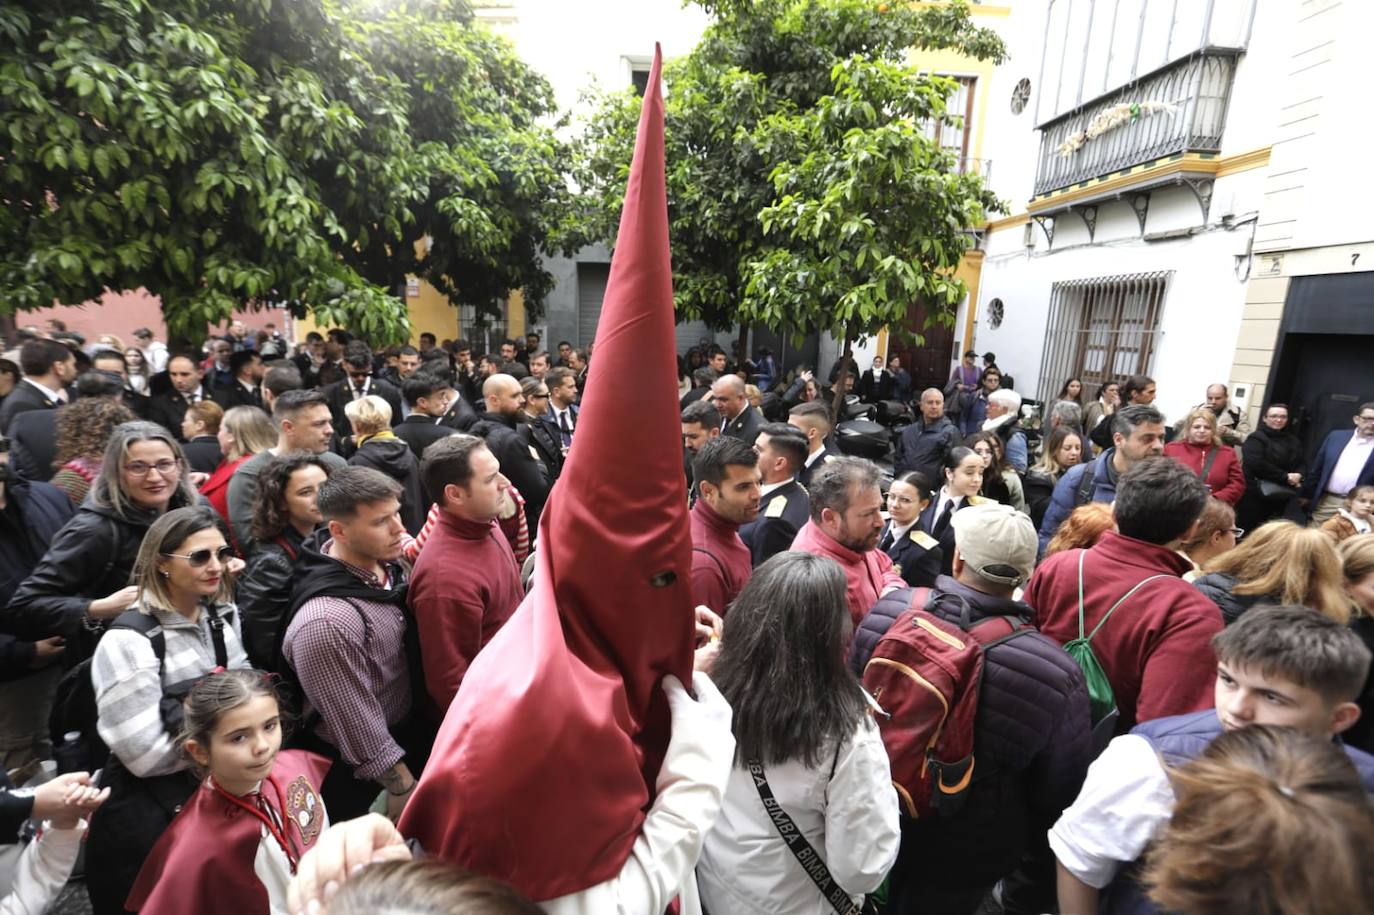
(542, 437)
(1341, 464)
(357, 384)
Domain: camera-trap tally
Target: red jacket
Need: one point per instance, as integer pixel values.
(216, 487)
(721, 563)
(868, 574)
(1157, 648)
(1226, 480)
(464, 587)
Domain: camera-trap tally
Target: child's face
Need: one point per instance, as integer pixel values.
(244, 745)
(1245, 697)
(1362, 506)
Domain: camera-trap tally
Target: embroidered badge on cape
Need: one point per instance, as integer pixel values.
(303, 806)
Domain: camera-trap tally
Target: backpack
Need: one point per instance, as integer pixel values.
(926, 674)
(74, 709)
(1101, 699)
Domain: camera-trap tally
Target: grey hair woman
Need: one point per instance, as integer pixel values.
(84, 578)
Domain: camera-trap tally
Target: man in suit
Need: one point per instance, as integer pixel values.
(246, 388)
(742, 421)
(48, 368)
(785, 507)
(168, 408)
(1341, 464)
(428, 397)
(562, 412)
(33, 434)
(357, 384)
(112, 362)
(813, 419)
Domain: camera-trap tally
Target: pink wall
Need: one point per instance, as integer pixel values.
(119, 313)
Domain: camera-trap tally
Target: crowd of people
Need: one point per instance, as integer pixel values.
(1108, 664)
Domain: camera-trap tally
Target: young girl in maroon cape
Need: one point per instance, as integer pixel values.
(234, 847)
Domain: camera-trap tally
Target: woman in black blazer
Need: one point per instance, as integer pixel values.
(915, 554)
(963, 472)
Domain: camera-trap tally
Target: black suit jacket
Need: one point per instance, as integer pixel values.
(168, 409)
(544, 437)
(825, 454)
(22, 399)
(745, 427)
(234, 395)
(340, 393)
(784, 512)
(945, 532)
(419, 431)
(202, 453)
(460, 415)
(33, 444)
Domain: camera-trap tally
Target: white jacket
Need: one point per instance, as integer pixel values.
(850, 819)
(43, 870)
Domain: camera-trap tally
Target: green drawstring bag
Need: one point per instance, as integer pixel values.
(1101, 700)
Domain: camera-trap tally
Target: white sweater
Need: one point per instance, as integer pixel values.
(850, 819)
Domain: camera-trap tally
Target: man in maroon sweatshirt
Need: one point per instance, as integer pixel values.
(727, 475)
(466, 583)
(1156, 647)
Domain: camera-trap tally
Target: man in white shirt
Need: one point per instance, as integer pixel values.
(1341, 464)
(154, 351)
(48, 368)
(813, 418)
(562, 412)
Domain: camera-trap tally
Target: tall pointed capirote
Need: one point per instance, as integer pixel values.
(546, 760)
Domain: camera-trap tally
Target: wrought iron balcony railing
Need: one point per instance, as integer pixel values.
(1178, 108)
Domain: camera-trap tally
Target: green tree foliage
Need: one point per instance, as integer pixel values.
(230, 152)
(804, 194)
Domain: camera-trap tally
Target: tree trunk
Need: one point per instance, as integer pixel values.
(838, 392)
(742, 346)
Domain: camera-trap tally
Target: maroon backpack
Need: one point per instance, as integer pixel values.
(925, 673)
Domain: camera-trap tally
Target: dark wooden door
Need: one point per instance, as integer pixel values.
(928, 361)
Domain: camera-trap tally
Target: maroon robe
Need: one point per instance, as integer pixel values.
(204, 862)
(546, 760)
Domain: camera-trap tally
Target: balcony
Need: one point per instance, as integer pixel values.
(1182, 109)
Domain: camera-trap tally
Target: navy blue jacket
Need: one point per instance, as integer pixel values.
(1032, 743)
(1065, 497)
(1319, 474)
(44, 509)
(778, 522)
(917, 564)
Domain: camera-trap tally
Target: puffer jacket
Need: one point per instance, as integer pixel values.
(1064, 499)
(1032, 745)
(91, 557)
(1219, 588)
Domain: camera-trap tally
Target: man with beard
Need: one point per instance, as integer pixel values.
(846, 521)
(727, 475)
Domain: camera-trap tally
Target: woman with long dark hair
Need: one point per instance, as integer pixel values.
(801, 724)
(284, 514)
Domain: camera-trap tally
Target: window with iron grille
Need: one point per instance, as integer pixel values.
(1102, 329)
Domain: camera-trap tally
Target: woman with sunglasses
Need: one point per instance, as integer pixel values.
(537, 434)
(83, 580)
(183, 583)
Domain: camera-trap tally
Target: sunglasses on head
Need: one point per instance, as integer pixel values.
(198, 558)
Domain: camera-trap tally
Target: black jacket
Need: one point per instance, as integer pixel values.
(394, 458)
(517, 464)
(1032, 746)
(91, 557)
(33, 444)
(745, 427)
(1270, 455)
(782, 514)
(263, 595)
(340, 393)
(1219, 588)
(23, 398)
(234, 394)
(33, 516)
(924, 447)
(202, 453)
(419, 431)
(916, 556)
(460, 415)
(545, 439)
(168, 409)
